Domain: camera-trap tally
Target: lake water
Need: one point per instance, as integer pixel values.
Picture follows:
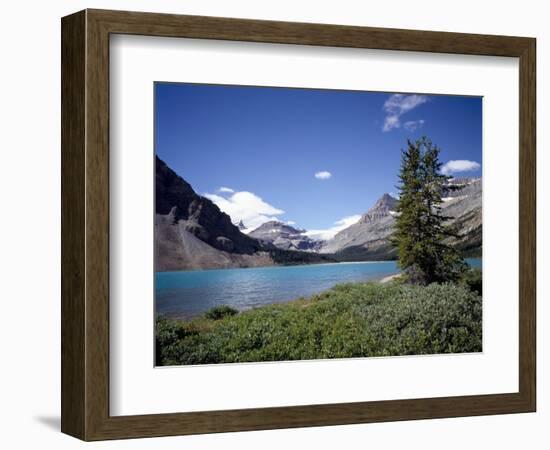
(190, 293)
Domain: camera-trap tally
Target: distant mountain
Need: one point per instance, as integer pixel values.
(383, 207)
(368, 239)
(285, 237)
(191, 232)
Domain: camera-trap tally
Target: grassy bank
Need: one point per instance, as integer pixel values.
(350, 320)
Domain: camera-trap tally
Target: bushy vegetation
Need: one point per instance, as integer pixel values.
(350, 320)
(219, 312)
(472, 278)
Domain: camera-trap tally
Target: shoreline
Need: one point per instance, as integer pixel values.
(281, 266)
(380, 277)
(384, 280)
(389, 278)
(272, 266)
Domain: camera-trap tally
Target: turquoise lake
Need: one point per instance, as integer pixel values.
(189, 293)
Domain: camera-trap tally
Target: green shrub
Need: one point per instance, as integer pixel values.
(219, 312)
(350, 320)
(168, 333)
(473, 279)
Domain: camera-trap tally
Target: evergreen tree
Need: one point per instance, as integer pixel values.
(421, 230)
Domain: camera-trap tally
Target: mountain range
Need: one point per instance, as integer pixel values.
(191, 232)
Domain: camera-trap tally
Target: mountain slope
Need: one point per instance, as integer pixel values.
(368, 238)
(178, 249)
(465, 207)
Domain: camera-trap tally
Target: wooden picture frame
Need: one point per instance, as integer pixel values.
(85, 224)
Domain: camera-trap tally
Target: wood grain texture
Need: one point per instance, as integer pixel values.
(97, 226)
(73, 226)
(527, 224)
(85, 224)
(151, 24)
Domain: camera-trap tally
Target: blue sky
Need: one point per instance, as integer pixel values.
(314, 158)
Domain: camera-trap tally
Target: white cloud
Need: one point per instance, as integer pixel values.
(226, 190)
(402, 103)
(323, 175)
(391, 122)
(459, 165)
(413, 125)
(290, 222)
(246, 206)
(397, 105)
(339, 225)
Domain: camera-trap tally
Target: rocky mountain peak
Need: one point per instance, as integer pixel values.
(275, 226)
(284, 236)
(385, 202)
(270, 224)
(381, 208)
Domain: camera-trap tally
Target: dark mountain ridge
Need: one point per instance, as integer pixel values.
(201, 216)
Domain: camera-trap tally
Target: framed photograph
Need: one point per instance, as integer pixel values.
(272, 225)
